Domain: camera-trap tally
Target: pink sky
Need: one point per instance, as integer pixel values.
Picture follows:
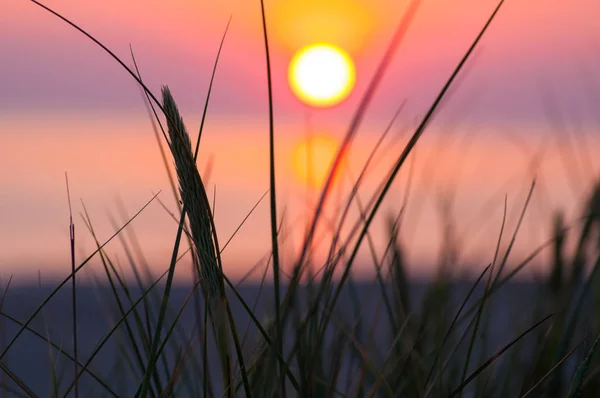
(66, 106)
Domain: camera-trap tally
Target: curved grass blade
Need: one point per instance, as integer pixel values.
(64, 282)
(62, 352)
(17, 380)
(142, 391)
(453, 323)
(107, 50)
(395, 42)
(575, 390)
(412, 142)
(107, 337)
(487, 285)
(108, 266)
(514, 236)
(177, 317)
(210, 86)
(536, 385)
(263, 332)
(494, 357)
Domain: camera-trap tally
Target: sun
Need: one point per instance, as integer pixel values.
(321, 75)
(313, 158)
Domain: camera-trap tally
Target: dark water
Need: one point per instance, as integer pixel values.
(30, 358)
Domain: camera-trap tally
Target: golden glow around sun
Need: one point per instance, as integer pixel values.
(349, 24)
(313, 157)
(321, 75)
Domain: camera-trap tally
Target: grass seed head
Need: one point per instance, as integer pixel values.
(193, 196)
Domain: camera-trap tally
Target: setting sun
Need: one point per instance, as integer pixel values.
(321, 75)
(313, 158)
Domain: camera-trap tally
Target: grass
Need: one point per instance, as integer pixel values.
(311, 347)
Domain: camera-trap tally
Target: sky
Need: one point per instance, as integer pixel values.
(526, 106)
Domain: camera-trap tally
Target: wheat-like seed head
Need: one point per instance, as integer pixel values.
(192, 195)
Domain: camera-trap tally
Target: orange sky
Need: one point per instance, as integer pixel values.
(114, 158)
(66, 106)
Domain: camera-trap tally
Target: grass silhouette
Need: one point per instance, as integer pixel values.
(309, 347)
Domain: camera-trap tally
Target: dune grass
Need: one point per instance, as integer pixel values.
(311, 347)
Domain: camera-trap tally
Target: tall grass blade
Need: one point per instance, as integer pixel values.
(210, 86)
(536, 385)
(108, 266)
(273, 202)
(190, 185)
(114, 329)
(514, 236)
(74, 286)
(64, 282)
(485, 294)
(494, 357)
(17, 380)
(410, 145)
(577, 385)
(453, 323)
(366, 99)
(106, 49)
(92, 374)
